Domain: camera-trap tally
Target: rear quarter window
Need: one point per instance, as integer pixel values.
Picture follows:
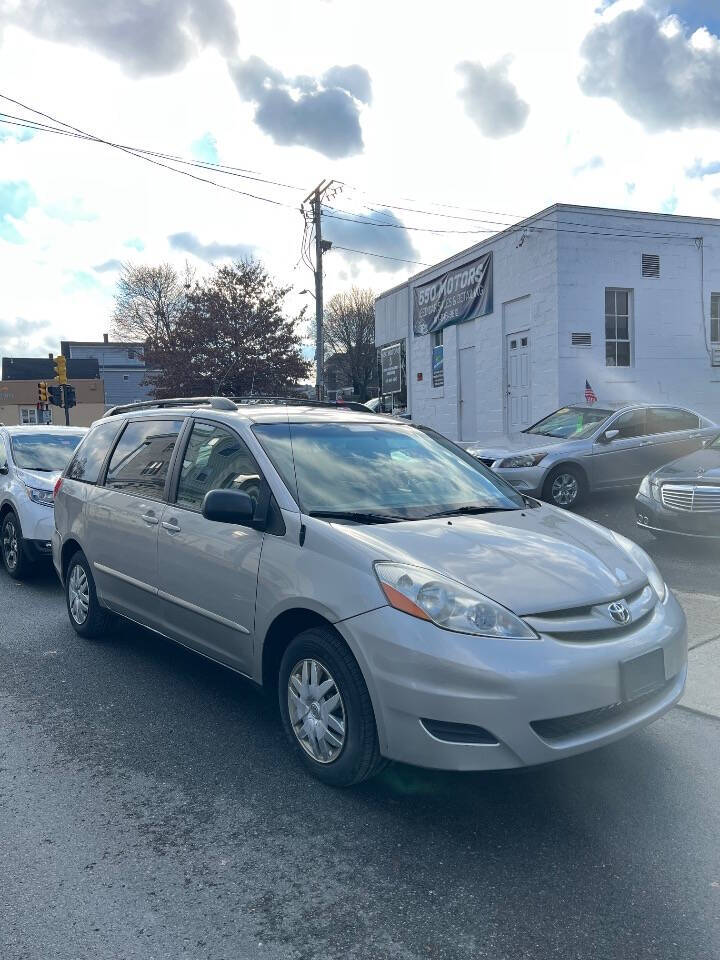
(90, 455)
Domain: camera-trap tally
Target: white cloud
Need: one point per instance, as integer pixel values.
(655, 70)
(491, 100)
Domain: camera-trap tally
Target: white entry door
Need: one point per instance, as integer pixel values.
(517, 354)
(468, 395)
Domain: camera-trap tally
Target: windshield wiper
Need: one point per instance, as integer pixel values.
(356, 515)
(468, 511)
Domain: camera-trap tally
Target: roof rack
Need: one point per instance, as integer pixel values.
(232, 403)
(217, 403)
(302, 402)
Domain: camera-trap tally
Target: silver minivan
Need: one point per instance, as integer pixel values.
(403, 601)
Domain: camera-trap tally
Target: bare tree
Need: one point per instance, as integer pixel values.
(149, 303)
(349, 327)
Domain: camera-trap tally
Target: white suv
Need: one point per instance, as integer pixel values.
(31, 460)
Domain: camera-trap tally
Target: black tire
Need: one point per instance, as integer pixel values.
(565, 487)
(97, 622)
(14, 552)
(359, 757)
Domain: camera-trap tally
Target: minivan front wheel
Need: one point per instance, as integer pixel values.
(565, 487)
(326, 710)
(88, 618)
(15, 559)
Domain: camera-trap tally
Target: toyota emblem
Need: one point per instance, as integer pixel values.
(620, 612)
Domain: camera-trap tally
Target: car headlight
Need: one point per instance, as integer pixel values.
(649, 489)
(45, 497)
(522, 460)
(448, 604)
(638, 555)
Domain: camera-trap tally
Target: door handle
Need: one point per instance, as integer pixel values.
(150, 519)
(171, 527)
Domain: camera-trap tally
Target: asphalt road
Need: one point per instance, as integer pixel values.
(149, 808)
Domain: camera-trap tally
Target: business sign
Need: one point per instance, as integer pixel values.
(390, 364)
(458, 295)
(438, 371)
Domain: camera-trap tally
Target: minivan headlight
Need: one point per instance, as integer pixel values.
(638, 555)
(522, 460)
(428, 595)
(45, 497)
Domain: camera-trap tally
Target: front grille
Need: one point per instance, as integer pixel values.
(697, 498)
(558, 728)
(488, 461)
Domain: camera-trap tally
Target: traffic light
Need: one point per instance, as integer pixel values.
(55, 395)
(61, 369)
(42, 392)
(70, 400)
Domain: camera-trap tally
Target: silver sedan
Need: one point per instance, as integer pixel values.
(579, 449)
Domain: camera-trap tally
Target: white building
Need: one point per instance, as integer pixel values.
(628, 301)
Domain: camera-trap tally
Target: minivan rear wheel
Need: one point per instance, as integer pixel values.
(88, 618)
(326, 710)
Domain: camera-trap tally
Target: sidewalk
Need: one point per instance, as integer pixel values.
(703, 685)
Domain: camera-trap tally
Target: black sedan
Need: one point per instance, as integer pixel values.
(683, 497)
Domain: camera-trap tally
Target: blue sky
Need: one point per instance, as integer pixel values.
(489, 108)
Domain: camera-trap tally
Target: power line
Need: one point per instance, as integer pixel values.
(637, 215)
(382, 256)
(143, 153)
(241, 172)
(140, 156)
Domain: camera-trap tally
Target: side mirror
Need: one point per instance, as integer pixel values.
(229, 506)
(610, 435)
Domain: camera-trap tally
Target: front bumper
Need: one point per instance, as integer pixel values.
(528, 480)
(652, 515)
(417, 671)
(37, 524)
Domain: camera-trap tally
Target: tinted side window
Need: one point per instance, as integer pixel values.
(140, 461)
(90, 455)
(666, 420)
(215, 459)
(632, 424)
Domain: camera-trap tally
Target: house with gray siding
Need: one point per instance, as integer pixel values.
(121, 367)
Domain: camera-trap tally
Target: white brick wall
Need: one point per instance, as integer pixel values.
(565, 274)
(529, 270)
(670, 362)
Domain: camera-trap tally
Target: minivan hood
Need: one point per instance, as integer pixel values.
(38, 478)
(703, 466)
(503, 446)
(532, 561)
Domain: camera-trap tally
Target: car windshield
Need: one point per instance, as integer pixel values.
(380, 471)
(570, 423)
(47, 452)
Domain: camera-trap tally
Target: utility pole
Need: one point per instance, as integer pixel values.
(315, 198)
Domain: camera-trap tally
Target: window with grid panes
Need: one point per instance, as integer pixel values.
(618, 304)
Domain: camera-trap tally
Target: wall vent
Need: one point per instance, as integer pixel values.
(650, 265)
(581, 339)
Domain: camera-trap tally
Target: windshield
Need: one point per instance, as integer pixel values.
(398, 472)
(47, 452)
(570, 423)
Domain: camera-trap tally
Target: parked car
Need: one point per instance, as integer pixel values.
(580, 449)
(31, 460)
(433, 616)
(683, 497)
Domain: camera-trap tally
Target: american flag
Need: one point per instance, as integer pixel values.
(590, 396)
